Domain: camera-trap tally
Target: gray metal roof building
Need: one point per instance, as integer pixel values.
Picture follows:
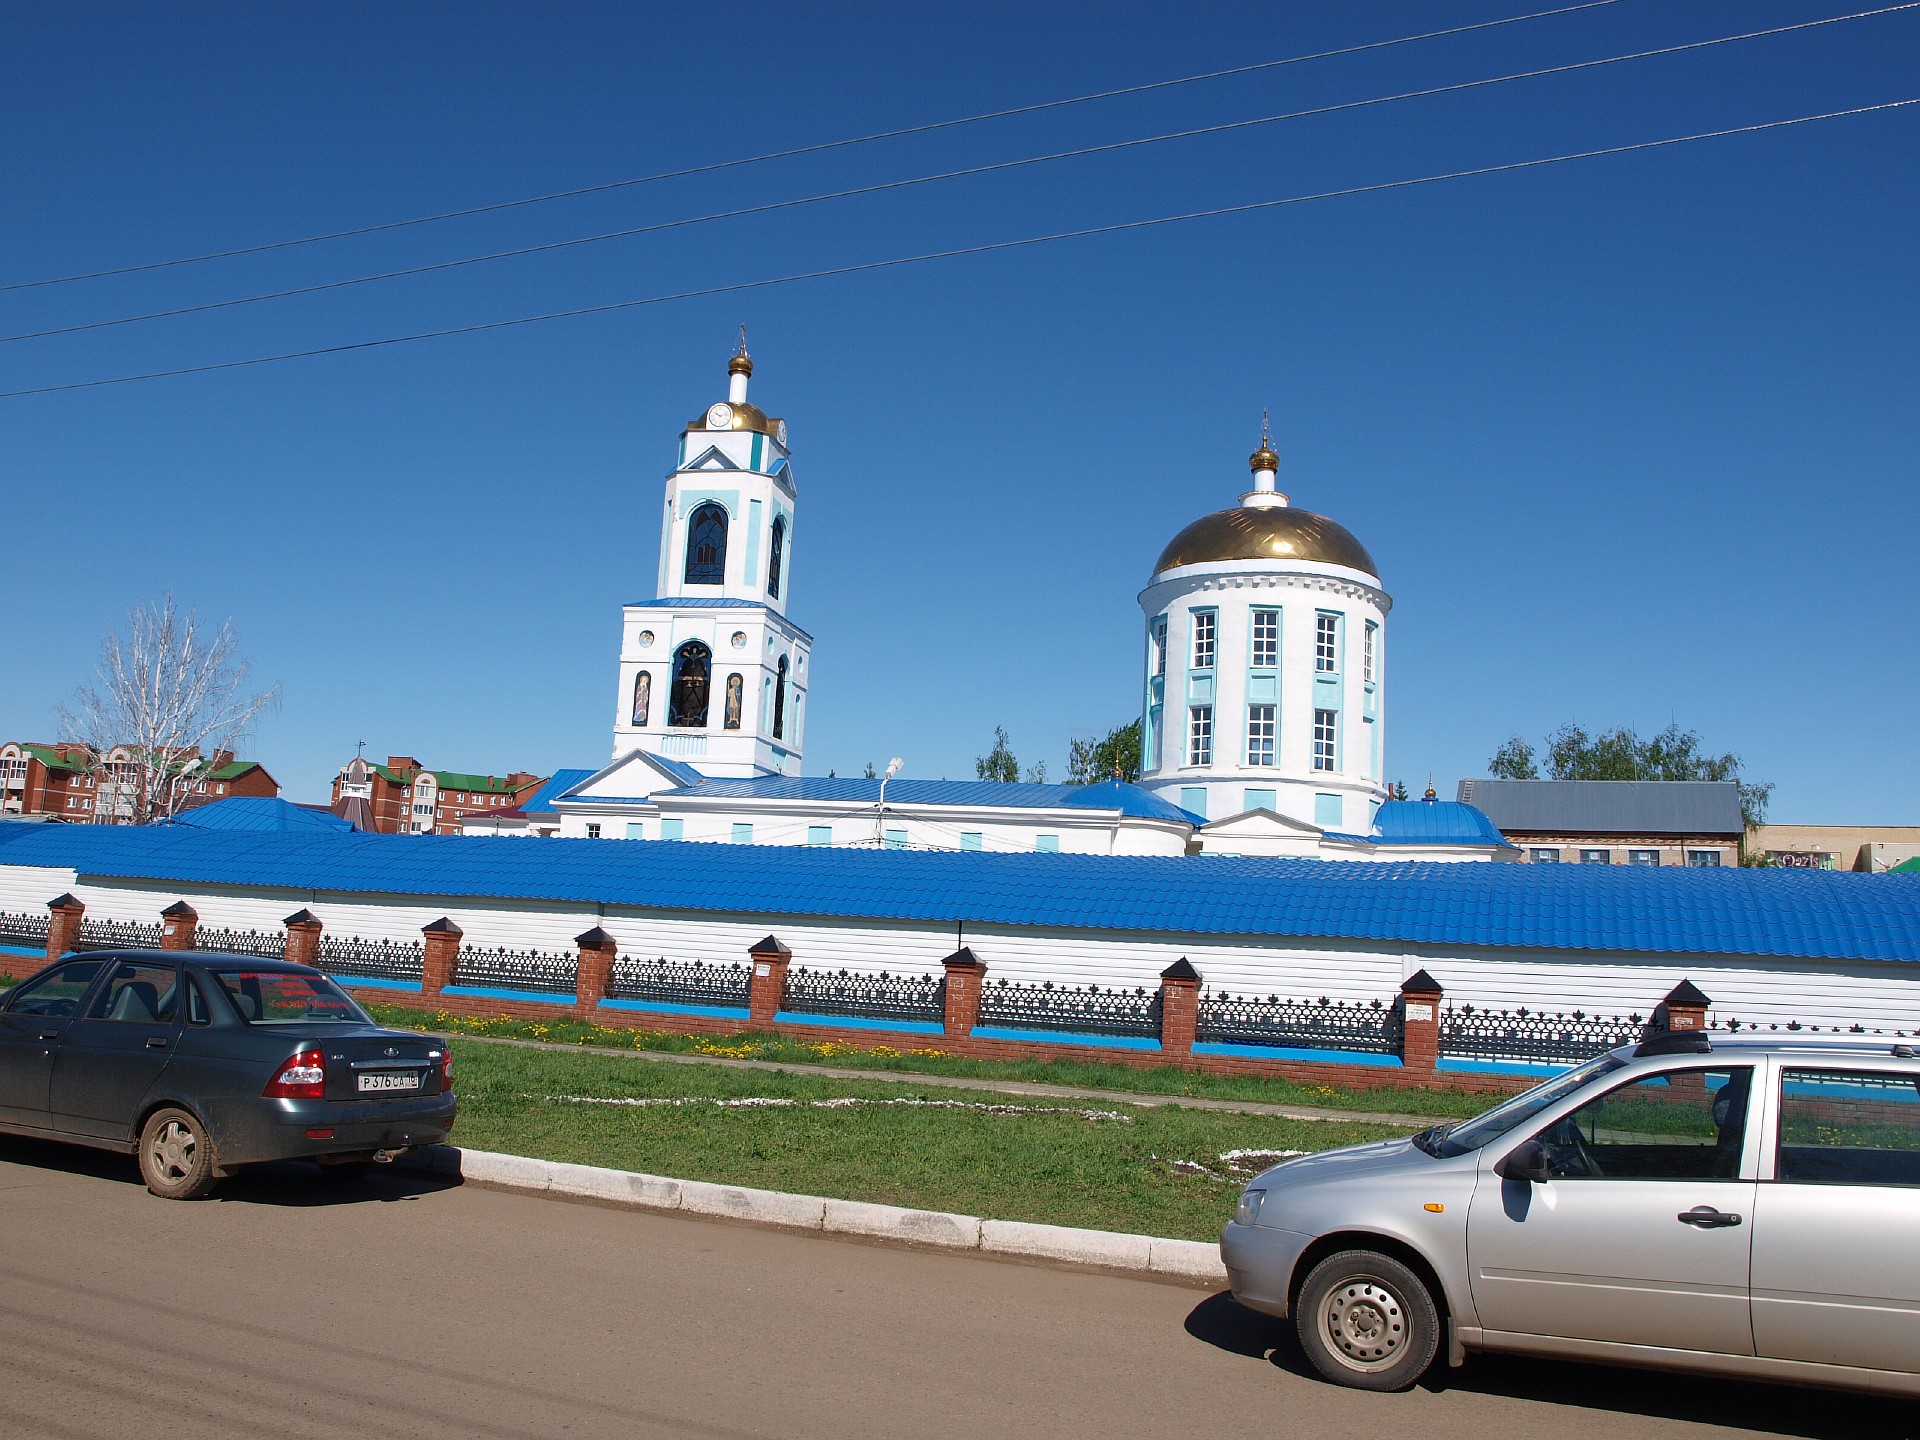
(1608, 807)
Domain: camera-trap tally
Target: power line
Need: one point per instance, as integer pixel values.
(984, 249)
(966, 172)
(798, 150)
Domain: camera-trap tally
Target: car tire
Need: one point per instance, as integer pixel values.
(176, 1155)
(1367, 1321)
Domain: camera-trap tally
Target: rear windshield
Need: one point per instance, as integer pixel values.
(274, 997)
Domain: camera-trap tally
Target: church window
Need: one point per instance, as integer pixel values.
(1200, 735)
(1326, 643)
(593, 831)
(1266, 639)
(896, 840)
(707, 546)
(736, 693)
(780, 701)
(1047, 843)
(819, 835)
(1203, 635)
(777, 551)
(971, 839)
(1366, 651)
(692, 669)
(1160, 646)
(1260, 728)
(742, 832)
(674, 829)
(1326, 725)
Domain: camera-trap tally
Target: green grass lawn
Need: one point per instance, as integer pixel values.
(1042, 1159)
(930, 1059)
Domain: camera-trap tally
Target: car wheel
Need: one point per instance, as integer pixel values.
(1367, 1321)
(176, 1156)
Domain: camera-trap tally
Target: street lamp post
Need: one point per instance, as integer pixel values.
(880, 814)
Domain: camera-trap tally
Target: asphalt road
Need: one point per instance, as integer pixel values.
(292, 1306)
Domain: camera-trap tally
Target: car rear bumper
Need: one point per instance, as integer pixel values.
(282, 1129)
(1260, 1261)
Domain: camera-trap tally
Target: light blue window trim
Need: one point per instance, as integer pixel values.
(1329, 811)
(1203, 639)
(636, 830)
(753, 539)
(673, 829)
(1339, 641)
(819, 835)
(766, 705)
(1194, 798)
(1049, 843)
(896, 839)
(1263, 687)
(743, 832)
(667, 534)
(970, 839)
(1262, 800)
(759, 447)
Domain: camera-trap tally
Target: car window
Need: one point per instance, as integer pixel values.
(140, 993)
(1676, 1125)
(1510, 1114)
(1849, 1127)
(276, 997)
(196, 1003)
(58, 992)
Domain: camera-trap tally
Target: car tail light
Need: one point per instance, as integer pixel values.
(446, 1068)
(304, 1077)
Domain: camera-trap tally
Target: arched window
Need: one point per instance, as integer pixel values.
(692, 667)
(779, 553)
(707, 545)
(780, 701)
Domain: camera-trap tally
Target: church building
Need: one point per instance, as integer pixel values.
(1263, 704)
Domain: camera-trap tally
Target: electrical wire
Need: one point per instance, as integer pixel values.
(881, 187)
(989, 247)
(798, 150)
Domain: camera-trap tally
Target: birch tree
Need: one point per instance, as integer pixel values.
(171, 697)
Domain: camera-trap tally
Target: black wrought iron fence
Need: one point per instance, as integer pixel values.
(374, 959)
(882, 996)
(1323, 1024)
(678, 982)
(265, 944)
(116, 935)
(1047, 1006)
(1476, 1033)
(26, 931)
(504, 969)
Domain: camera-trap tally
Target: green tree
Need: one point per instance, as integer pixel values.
(1620, 754)
(998, 763)
(1397, 790)
(1513, 761)
(1115, 757)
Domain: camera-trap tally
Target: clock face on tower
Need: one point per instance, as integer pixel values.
(719, 416)
(780, 432)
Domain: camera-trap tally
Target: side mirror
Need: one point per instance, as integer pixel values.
(1526, 1161)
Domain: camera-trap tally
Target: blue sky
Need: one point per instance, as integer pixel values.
(1631, 438)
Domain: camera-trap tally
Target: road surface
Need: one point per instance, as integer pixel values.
(294, 1306)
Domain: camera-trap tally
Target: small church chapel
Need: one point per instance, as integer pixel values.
(1263, 698)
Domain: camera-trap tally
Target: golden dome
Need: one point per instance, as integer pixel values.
(741, 364)
(741, 417)
(1263, 458)
(1270, 533)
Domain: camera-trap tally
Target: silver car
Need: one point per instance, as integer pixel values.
(1741, 1206)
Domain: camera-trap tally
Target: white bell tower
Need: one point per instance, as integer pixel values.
(712, 673)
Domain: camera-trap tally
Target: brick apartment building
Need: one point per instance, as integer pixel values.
(403, 797)
(70, 781)
(1615, 822)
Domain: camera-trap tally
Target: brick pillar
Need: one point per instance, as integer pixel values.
(1420, 996)
(597, 951)
(303, 937)
(1179, 1007)
(767, 980)
(63, 924)
(440, 959)
(179, 926)
(1685, 1008)
(966, 973)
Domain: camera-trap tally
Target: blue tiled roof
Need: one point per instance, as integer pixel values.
(561, 781)
(1433, 822)
(260, 812)
(1128, 799)
(702, 602)
(1807, 914)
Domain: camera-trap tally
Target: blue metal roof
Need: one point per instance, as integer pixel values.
(703, 602)
(1433, 822)
(1807, 914)
(561, 781)
(1128, 799)
(260, 812)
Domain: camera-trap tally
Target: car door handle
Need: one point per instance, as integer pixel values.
(1707, 1218)
(49, 1035)
(159, 1042)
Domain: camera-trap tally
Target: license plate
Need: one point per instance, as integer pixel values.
(389, 1080)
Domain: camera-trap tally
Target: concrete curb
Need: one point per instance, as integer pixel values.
(1188, 1261)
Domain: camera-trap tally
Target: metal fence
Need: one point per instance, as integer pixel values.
(1066, 1007)
(1372, 1028)
(375, 959)
(116, 935)
(504, 969)
(679, 982)
(29, 932)
(1475, 1033)
(882, 996)
(263, 944)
